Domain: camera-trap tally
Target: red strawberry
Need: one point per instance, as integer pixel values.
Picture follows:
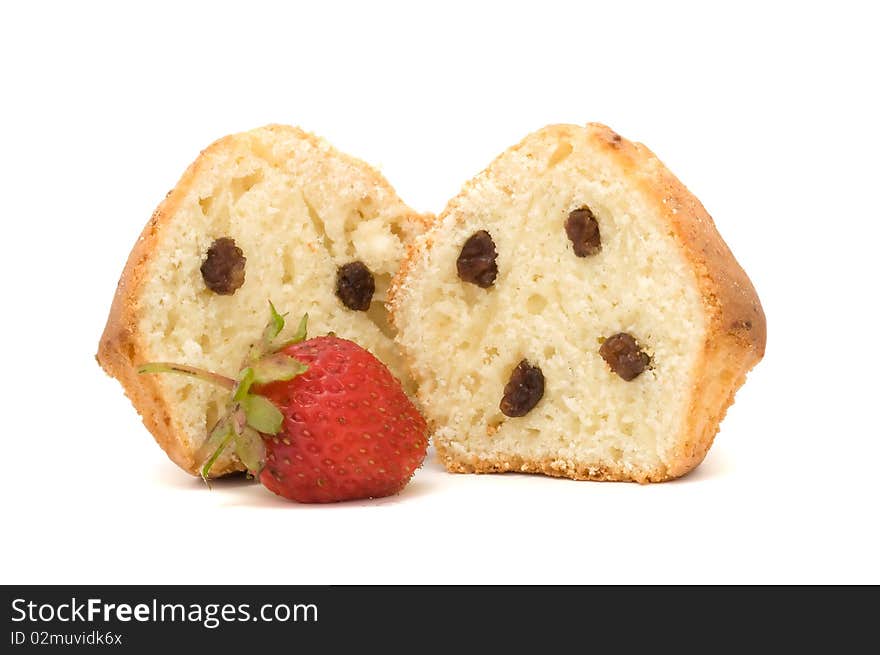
(317, 421)
(349, 430)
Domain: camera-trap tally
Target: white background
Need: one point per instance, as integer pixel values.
(767, 111)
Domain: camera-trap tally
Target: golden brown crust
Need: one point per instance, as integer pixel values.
(737, 330)
(736, 327)
(120, 348)
(516, 464)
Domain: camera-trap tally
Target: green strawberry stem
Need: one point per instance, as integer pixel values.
(249, 416)
(192, 371)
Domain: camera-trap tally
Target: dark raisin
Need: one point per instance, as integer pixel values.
(582, 229)
(477, 261)
(223, 268)
(523, 391)
(623, 355)
(355, 286)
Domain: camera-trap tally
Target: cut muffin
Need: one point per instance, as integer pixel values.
(574, 312)
(272, 214)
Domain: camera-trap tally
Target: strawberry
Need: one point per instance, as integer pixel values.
(349, 430)
(317, 421)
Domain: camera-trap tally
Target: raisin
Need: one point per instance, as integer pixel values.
(623, 355)
(355, 286)
(223, 268)
(582, 229)
(523, 391)
(477, 261)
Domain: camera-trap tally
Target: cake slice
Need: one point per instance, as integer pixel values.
(574, 312)
(272, 214)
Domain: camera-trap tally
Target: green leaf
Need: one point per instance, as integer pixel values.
(215, 437)
(191, 371)
(298, 337)
(261, 414)
(277, 368)
(214, 446)
(273, 328)
(245, 380)
(250, 449)
(301, 329)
